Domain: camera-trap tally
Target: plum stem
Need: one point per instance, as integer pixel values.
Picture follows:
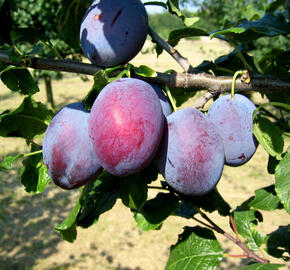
(239, 72)
(32, 153)
(170, 98)
(216, 228)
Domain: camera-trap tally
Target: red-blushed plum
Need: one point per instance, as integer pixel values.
(126, 125)
(191, 154)
(113, 31)
(67, 149)
(233, 119)
(166, 107)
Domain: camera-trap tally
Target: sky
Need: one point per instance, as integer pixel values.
(156, 9)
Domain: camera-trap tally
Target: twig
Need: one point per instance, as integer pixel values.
(249, 253)
(199, 104)
(197, 82)
(182, 61)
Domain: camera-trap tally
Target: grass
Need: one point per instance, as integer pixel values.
(27, 238)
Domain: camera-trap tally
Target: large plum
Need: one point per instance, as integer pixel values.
(191, 154)
(234, 122)
(166, 107)
(67, 149)
(126, 125)
(113, 31)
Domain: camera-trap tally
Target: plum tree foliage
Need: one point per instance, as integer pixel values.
(136, 135)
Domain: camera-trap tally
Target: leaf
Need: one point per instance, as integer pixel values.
(247, 31)
(262, 266)
(265, 199)
(210, 202)
(246, 222)
(180, 96)
(156, 210)
(70, 18)
(97, 198)
(185, 210)
(272, 164)
(282, 177)
(145, 71)
(173, 7)
(252, 13)
(33, 174)
(268, 135)
(176, 35)
(197, 248)
(27, 34)
(7, 163)
(143, 224)
(273, 6)
(19, 79)
(101, 79)
(133, 191)
(277, 243)
(29, 119)
(67, 228)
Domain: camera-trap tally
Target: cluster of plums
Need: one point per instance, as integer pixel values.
(131, 124)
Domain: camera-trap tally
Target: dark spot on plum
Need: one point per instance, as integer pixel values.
(242, 156)
(116, 17)
(171, 164)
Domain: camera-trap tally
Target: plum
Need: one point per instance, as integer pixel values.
(67, 149)
(234, 122)
(166, 107)
(126, 124)
(113, 31)
(191, 154)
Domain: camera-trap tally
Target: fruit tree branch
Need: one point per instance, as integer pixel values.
(200, 81)
(182, 61)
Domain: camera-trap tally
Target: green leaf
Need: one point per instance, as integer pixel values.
(67, 228)
(272, 164)
(29, 119)
(268, 135)
(101, 79)
(246, 222)
(145, 71)
(7, 163)
(173, 7)
(282, 176)
(97, 198)
(265, 199)
(27, 34)
(176, 35)
(247, 31)
(156, 210)
(210, 202)
(143, 224)
(133, 191)
(273, 6)
(19, 79)
(252, 13)
(33, 174)
(70, 18)
(197, 248)
(277, 243)
(262, 266)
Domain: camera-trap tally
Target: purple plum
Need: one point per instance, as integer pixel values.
(191, 154)
(233, 119)
(166, 107)
(126, 125)
(113, 31)
(67, 149)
